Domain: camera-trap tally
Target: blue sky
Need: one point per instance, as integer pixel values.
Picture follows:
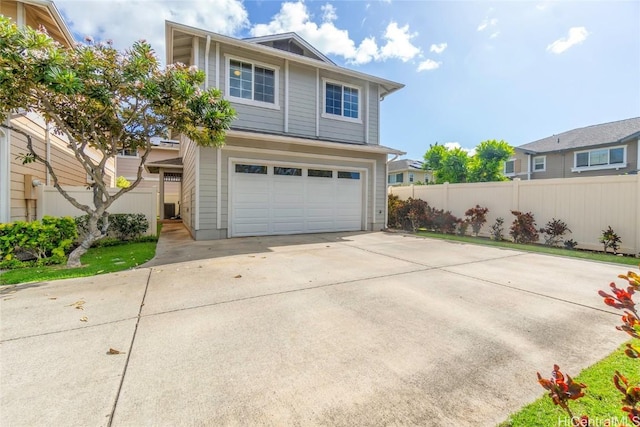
(473, 70)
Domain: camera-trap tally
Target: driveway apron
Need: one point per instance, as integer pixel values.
(329, 329)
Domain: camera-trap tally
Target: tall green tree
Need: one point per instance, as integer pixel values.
(455, 165)
(102, 100)
(488, 161)
(447, 165)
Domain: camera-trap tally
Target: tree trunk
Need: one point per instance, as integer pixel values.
(94, 234)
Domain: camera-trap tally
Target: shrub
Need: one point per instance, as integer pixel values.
(553, 232)
(394, 204)
(441, 221)
(570, 244)
(125, 227)
(523, 229)
(463, 225)
(610, 239)
(47, 241)
(476, 217)
(497, 229)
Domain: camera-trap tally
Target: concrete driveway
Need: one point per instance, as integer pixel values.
(344, 329)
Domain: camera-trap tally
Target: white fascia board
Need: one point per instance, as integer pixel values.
(388, 85)
(380, 149)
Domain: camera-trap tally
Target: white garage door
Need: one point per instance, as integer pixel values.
(286, 199)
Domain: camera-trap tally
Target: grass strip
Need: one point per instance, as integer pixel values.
(98, 260)
(602, 401)
(592, 256)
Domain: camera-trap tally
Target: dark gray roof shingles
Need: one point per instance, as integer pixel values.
(606, 133)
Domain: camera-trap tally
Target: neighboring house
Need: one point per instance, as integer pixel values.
(408, 172)
(303, 155)
(17, 181)
(605, 149)
(164, 153)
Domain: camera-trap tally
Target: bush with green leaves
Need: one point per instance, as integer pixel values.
(47, 241)
(553, 231)
(610, 239)
(523, 229)
(121, 226)
(497, 230)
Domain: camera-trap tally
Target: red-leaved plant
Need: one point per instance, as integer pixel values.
(562, 390)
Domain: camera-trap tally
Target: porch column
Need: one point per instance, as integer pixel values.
(5, 177)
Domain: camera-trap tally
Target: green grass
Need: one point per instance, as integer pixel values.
(593, 256)
(602, 401)
(100, 260)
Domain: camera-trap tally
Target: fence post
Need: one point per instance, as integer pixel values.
(515, 195)
(446, 196)
(637, 224)
(413, 192)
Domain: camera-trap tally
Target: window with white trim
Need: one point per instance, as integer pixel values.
(601, 158)
(252, 83)
(341, 101)
(540, 163)
(510, 167)
(395, 178)
(411, 177)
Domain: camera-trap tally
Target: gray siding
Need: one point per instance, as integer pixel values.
(251, 117)
(559, 165)
(302, 101)
(374, 113)
(187, 208)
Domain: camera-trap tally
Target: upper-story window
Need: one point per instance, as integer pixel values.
(601, 158)
(510, 167)
(540, 163)
(128, 152)
(252, 83)
(341, 101)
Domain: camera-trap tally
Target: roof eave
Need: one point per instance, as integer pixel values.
(388, 85)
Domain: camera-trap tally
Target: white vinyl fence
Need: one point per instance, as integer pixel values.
(137, 201)
(586, 205)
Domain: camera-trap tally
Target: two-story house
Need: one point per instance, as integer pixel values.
(604, 149)
(408, 172)
(303, 155)
(17, 180)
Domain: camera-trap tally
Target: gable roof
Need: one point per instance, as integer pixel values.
(291, 38)
(606, 133)
(387, 86)
(405, 164)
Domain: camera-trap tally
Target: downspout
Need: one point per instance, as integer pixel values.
(5, 174)
(386, 205)
(47, 143)
(206, 62)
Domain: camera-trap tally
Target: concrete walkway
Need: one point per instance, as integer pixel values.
(334, 329)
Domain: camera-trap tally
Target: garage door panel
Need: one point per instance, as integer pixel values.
(287, 200)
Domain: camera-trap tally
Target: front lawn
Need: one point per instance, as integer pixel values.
(98, 260)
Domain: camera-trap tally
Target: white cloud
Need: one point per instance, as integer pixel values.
(429, 65)
(486, 23)
(331, 40)
(399, 43)
(454, 145)
(438, 48)
(576, 36)
(328, 13)
(125, 22)
(494, 34)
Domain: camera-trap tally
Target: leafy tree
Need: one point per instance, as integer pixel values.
(103, 100)
(487, 163)
(456, 165)
(447, 165)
